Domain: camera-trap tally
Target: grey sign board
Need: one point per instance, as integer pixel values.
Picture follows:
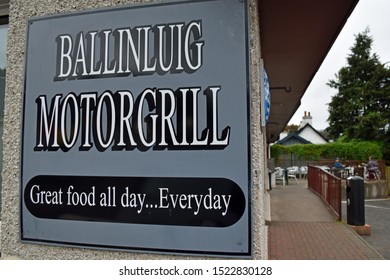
(136, 129)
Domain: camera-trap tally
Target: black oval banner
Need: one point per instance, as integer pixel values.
(202, 202)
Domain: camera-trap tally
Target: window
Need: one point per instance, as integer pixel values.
(3, 66)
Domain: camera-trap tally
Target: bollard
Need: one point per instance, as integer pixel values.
(355, 201)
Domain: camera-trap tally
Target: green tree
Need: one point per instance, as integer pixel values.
(291, 128)
(361, 108)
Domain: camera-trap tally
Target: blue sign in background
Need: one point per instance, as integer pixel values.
(267, 96)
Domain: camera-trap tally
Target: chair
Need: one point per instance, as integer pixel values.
(279, 175)
(373, 173)
(351, 171)
(303, 172)
(292, 172)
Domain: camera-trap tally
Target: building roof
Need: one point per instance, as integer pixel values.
(293, 138)
(310, 127)
(295, 38)
(298, 138)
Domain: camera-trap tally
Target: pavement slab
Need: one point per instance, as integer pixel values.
(303, 227)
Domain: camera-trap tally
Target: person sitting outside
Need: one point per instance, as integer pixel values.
(337, 164)
(338, 168)
(372, 168)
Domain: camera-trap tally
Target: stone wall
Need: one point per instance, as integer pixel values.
(376, 189)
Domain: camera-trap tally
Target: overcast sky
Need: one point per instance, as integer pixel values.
(374, 14)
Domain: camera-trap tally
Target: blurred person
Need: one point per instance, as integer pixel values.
(337, 164)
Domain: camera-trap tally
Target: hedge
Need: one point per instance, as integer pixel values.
(355, 150)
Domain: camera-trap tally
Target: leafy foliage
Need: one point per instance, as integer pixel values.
(361, 108)
(354, 150)
(292, 128)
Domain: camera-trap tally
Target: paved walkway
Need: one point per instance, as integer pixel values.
(303, 228)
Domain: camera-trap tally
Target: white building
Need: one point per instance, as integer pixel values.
(306, 134)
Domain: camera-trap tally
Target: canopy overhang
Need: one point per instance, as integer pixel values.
(295, 39)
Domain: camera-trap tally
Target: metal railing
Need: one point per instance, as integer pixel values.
(327, 186)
